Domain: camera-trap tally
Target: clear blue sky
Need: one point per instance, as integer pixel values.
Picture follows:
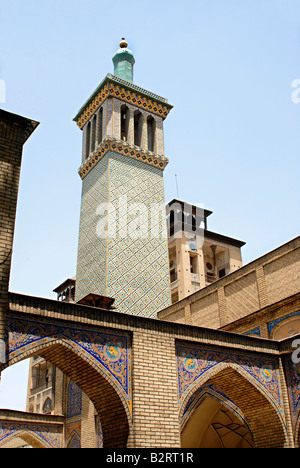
(232, 138)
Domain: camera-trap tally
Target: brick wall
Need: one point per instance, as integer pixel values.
(155, 403)
(260, 284)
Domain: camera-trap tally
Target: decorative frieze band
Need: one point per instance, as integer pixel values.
(131, 97)
(126, 149)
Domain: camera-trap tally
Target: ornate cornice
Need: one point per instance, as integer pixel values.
(124, 148)
(112, 87)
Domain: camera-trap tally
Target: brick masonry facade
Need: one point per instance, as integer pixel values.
(168, 364)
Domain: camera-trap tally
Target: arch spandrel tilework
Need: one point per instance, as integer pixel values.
(195, 363)
(108, 351)
(46, 434)
(73, 434)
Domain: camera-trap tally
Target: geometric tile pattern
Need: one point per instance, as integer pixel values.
(132, 264)
(129, 96)
(113, 144)
(91, 254)
(193, 362)
(108, 351)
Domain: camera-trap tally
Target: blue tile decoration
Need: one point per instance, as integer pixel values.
(109, 351)
(254, 331)
(128, 94)
(46, 434)
(99, 433)
(194, 361)
(74, 400)
(274, 323)
(132, 270)
(292, 372)
(73, 434)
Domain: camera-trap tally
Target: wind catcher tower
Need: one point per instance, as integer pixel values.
(123, 248)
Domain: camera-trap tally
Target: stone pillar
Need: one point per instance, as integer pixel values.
(184, 281)
(131, 126)
(100, 132)
(201, 268)
(14, 131)
(109, 116)
(144, 143)
(84, 151)
(116, 126)
(159, 136)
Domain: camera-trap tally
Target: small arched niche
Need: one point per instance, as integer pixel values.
(125, 115)
(138, 128)
(151, 130)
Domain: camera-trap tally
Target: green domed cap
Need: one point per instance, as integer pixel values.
(123, 61)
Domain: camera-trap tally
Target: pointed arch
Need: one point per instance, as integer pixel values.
(151, 133)
(74, 442)
(138, 128)
(211, 391)
(30, 437)
(249, 396)
(213, 424)
(47, 406)
(87, 140)
(93, 379)
(125, 117)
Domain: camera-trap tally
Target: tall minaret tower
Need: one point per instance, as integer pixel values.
(122, 249)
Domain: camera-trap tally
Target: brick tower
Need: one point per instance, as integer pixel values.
(122, 249)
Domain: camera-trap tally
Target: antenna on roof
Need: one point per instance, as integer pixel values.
(177, 186)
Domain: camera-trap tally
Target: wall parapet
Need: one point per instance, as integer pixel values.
(72, 312)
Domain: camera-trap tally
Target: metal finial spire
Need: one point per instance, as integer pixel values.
(123, 43)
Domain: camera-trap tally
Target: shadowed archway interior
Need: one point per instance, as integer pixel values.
(108, 404)
(212, 424)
